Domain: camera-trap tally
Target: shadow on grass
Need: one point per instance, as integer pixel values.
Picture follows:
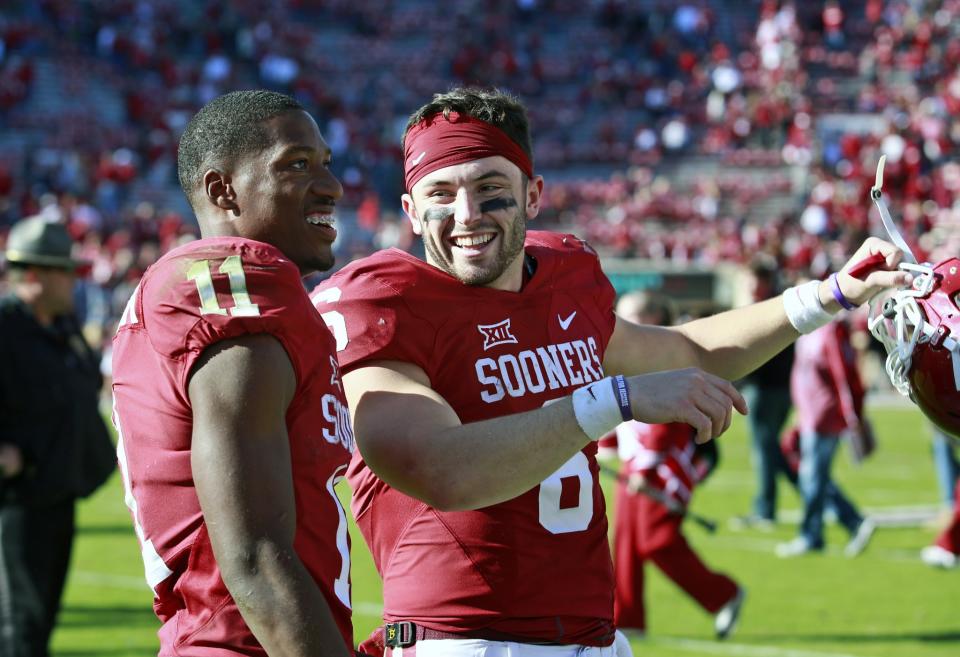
(106, 530)
(116, 616)
(945, 636)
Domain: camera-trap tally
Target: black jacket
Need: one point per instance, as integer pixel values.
(49, 390)
(775, 373)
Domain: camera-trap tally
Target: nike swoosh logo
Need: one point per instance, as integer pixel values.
(565, 323)
(415, 161)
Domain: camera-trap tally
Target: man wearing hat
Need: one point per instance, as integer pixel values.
(54, 445)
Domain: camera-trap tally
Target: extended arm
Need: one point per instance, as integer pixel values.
(733, 344)
(729, 345)
(240, 457)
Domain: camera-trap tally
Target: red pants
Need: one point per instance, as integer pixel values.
(950, 538)
(645, 530)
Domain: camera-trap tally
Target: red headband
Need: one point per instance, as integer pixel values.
(436, 142)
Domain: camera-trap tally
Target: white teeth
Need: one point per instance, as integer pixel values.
(320, 219)
(472, 240)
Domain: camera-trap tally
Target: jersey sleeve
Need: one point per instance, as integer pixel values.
(604, 293)
(371, 320)
(219, 292)
(578, 267)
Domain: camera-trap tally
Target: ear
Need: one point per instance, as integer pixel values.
(534, 196)
(219, 191)
(410, 210)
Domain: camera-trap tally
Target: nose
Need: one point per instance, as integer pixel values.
(466, 210)
(327, 184)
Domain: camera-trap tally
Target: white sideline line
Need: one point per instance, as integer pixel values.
(746, 650)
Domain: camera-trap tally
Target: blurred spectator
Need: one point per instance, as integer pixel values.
(946, 465)
(767, 392)
(828, 395)
(54, 446)
(661, 467)
(945, 551)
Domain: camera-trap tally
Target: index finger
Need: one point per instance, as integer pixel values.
(731, 391)
(891, 253)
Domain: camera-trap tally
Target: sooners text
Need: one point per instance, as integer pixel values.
(338, 415)
(534, 370)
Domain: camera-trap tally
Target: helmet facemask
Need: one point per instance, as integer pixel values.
(898, 323)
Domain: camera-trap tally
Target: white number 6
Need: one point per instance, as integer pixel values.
(573, 519)
(334, 319)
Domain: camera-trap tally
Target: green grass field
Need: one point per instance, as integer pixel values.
(884, 603)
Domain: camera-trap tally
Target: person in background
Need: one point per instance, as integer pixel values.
(828, 395)
(662, 458)
(54, 445)
(767, 391)
(947, 467)
(945, 551)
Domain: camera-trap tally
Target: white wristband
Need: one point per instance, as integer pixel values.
(804, 309)
(602, 405)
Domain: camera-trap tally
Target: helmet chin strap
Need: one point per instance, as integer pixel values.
(885, 217)
(909, 325)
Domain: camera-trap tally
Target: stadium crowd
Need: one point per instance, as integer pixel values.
(677, 132)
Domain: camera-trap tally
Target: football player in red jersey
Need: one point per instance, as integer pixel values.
(477, 495)
(232, 422)
(661, 458)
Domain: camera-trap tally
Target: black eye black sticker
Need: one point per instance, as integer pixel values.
(494, 204)
(437, 213)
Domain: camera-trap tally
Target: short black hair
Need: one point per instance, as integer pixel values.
(227, 127)
(493, 106)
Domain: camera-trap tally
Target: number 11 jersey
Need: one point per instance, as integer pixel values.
(196, 295)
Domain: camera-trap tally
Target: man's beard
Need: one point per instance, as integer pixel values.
(511, 247)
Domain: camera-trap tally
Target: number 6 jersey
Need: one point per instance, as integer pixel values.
(193, 297)
(536, 568)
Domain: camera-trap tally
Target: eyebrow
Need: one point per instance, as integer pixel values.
(480, 178)
(308, 150)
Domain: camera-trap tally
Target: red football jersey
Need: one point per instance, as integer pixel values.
(193, 297)
(639, 443)
(664, 453)
(537, 566)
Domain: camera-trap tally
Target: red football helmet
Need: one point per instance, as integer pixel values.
(920, 328)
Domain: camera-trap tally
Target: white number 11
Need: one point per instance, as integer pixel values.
(199, 272)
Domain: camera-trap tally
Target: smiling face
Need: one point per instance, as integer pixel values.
(472, 218)
(285, 194)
